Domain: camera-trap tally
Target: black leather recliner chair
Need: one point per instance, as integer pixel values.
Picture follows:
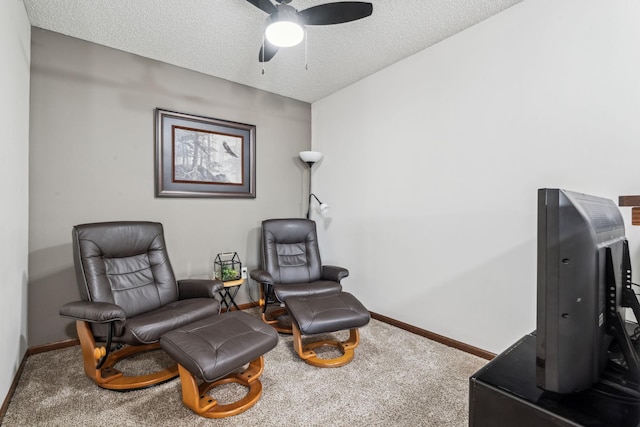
(291, 267)
(130, 296)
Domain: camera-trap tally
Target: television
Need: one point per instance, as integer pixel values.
(583, 286)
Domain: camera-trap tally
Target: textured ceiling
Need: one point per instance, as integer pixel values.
(222, 37)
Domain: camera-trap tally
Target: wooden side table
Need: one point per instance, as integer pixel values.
(229, 293)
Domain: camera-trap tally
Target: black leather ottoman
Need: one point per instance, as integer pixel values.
(211, 350)
(323, 314)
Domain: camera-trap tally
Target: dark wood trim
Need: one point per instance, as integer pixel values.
(435, 337)
(12, 389)
(628, 200)
(635, 216)
(53, 346)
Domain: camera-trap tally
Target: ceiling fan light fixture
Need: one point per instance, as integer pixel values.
(284, 29)
(284, 33)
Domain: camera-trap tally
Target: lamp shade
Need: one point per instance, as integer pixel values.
(323, 208)
(310, 156)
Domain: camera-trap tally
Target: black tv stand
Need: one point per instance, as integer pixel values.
(504, 393)
(618, 385)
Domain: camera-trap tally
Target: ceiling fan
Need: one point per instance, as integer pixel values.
(285, 23)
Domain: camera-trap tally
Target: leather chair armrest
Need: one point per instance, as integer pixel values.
(198, 288)
(331, 272)
(261, 276)
(95, 312)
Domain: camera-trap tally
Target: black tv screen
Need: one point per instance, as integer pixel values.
(576, 234)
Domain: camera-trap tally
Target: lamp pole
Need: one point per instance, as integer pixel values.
(309, 193)
(310, 158)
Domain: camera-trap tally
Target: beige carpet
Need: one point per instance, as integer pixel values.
(396, 379)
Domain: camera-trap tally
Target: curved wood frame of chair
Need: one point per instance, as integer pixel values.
(273, 318)
(107, 376)
(307, 353)
(195, 396)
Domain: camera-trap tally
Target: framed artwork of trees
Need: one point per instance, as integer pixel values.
(200, 156)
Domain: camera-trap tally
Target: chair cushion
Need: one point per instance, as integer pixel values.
(124, 263)
(148, 327)
(214, 347)
(317, 288)
(290, 250)
(332, 313)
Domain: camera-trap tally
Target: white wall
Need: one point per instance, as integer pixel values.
(15, 57)
(432, 165)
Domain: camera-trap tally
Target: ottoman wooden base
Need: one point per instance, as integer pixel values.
(316, 315)
(210, 352)
(308, 354)
(196, 398)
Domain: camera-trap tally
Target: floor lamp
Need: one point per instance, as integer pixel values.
(310, 158)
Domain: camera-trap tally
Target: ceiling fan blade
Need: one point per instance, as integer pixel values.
(336, 13)
(264, 5)
(267, 51)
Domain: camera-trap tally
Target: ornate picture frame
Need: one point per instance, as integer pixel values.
(198, 156)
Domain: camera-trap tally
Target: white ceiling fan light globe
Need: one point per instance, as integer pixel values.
(284, 33)
(284, 28)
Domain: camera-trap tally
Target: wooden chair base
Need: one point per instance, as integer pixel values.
(273, 318)
(308, 354)
(109, 377)
(195, 396)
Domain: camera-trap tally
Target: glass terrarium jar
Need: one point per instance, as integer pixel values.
(227, 266)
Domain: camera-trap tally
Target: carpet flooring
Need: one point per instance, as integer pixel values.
(396, 379)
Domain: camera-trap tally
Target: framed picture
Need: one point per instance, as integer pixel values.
(204, 157)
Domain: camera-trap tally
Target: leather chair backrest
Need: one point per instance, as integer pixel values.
(290, 250)
(124, 263)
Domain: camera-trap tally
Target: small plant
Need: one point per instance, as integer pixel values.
(229, 274)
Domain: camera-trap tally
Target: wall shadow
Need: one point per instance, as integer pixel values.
(52, 283)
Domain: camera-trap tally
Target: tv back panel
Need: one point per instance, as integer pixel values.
(574, 232)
